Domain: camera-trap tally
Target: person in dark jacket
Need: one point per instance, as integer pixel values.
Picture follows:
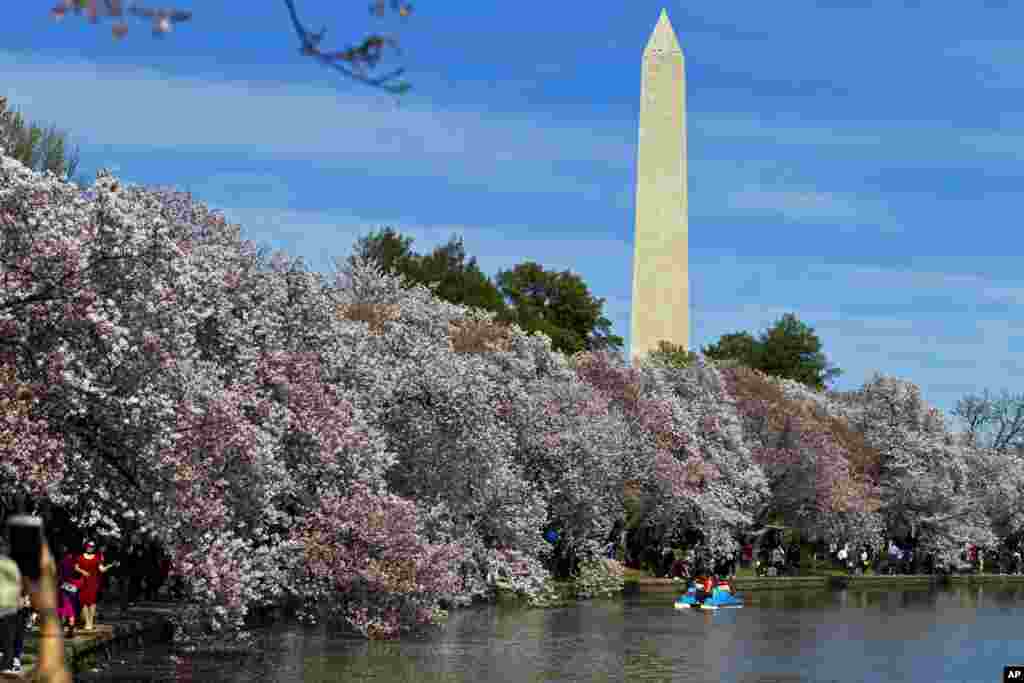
(133, 570)
(11, 624)
(155, 575)
(793, 558)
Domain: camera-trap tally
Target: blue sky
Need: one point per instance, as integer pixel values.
(856, 163)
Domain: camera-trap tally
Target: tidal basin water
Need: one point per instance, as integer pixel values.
(964, 633)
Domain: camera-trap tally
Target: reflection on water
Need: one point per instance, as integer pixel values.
(967, 633)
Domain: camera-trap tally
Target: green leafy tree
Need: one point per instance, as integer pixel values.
(452, 275)
(459, 279)
(37, 148)
(558, 304)
(392, 251)
(739, 346)
(789, 349)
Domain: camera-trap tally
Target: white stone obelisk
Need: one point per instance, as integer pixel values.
(661, 288)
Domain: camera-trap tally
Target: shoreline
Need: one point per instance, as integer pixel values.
(151, 623)
(655, 585)
(148, 623)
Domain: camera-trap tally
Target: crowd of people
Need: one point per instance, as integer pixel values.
(139, 571)
(901, 556)
(774, 556)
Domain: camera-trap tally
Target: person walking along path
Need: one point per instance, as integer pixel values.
(91, 567)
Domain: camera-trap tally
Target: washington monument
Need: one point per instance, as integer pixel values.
(661, 288)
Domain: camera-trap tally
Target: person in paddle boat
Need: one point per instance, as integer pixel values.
(705, 587)
(710, 592)
(694, 589)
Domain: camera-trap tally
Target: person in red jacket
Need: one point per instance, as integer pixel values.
(705, 585)
(90, 565)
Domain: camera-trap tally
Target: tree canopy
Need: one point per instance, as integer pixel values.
(447, 270)
(39, 148)
(789, 349)
(560, 305)
(389, 249)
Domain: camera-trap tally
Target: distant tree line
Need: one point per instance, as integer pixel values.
(788, 349)
(560, 305)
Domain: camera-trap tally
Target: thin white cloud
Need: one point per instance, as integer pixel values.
(945, 371)
(494, 247)
(1000, 60)
(733, 128)
(913, 143)
(948, 355)
(805, 205)
(861, 288)
(144, 108)
(549, 69)
(946, 352)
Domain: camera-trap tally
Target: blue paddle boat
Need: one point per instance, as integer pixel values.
(721, 597)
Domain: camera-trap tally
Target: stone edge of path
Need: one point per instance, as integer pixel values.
(140, 623)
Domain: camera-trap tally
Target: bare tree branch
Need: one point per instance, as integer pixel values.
(975, 412)
(356, 62)
(993, 422)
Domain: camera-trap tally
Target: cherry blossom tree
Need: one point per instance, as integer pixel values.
(163, 374)
(368, 547)
(929, 481)
(574, 447)
(698, 469)
(823, 474)
(1001, 478)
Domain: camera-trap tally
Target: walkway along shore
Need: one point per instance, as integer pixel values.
(653, 585)
(147, 623)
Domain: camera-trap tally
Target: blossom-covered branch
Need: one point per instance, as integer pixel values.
(356, 62)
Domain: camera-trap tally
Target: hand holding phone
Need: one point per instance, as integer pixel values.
(50, 665)
(26, 535)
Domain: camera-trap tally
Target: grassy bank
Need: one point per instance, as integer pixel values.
(641, 582)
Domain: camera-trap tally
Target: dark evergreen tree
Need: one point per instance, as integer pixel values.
(788, 349)
(38, 148)
(558, 304)
(453, 276)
